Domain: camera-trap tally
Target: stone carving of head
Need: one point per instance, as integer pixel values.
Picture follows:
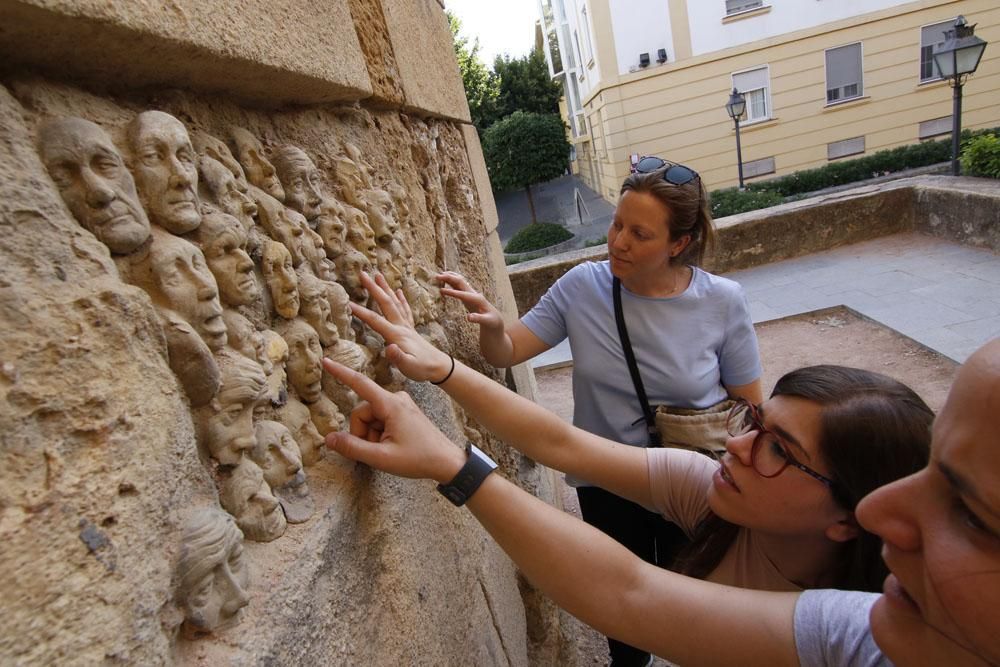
(281, 224)
(400, 199)
(331, 228)
(359, 233)
(325, 416)
(276, 453)
(315, 308)
(382, 216)
(300, 180)
(276, 391)
(223, 190)
(215, 148)
(304, 356)
(259, 170)
(212, 578)
(244, 338)
(279, 274)
(349, 267)
(178, 280)
(350, 179)
(246, 495)
(340, 309)
(94, 183)
(223, 241)
(225, 425)
(296, 417)
(165, 168)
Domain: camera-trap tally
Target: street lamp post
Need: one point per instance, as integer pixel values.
(735, 107)
(955, 59)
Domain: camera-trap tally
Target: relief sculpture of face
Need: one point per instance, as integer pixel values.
(304, 355)
(279, 274)
(381, 215)
(259, 170)
(296, 417)
(300, 180)
(282, 224)
(94, 183)
(276, 391)
(225, 425)
(331, 228)
(223, 190)
(245, 339)
(349, 268)
(223, 241)
(216, 149)
(246, 495)
(178, 279)
(278, 455)
(165, 167)
(212, 576)
(315, 308)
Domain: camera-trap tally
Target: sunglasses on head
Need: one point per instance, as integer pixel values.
(675, 174)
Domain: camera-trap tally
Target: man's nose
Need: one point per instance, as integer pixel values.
(99, 194)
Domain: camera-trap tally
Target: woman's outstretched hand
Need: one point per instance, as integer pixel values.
(481, 311)
(390, 433)
(406, 349)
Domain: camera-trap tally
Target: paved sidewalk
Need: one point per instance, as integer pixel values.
(944, 295)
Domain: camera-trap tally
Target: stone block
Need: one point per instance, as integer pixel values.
(269, 53)
(428, 70)
(481, 177)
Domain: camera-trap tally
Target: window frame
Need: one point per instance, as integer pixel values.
(826, 74)
(920, 74)
(750, 5)
(768, 107)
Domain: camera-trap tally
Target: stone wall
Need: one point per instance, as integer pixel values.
(117, 445)
(966, 210)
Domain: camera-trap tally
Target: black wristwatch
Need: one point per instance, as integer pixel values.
(468, 479)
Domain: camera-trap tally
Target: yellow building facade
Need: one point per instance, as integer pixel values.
(824, 80)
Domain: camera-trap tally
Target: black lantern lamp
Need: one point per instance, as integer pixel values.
(955, 59)
(735, 107)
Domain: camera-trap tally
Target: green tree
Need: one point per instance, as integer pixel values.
(481, 85)
(525, 85)
(523, 149)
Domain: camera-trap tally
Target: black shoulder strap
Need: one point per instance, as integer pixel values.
(633, 369)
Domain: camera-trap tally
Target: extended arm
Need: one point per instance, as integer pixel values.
(517, 421)
(502, 345)
(686, 620)
(752, 392)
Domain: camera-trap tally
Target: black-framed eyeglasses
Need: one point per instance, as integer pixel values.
(769, 456)
(675, 174)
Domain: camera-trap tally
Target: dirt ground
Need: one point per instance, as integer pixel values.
(830, 336)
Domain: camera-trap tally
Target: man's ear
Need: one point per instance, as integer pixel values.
(844, 530)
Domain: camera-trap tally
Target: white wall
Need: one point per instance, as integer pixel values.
(641, 26)
(708, 33)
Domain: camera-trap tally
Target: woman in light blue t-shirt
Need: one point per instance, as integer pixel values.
(690, 331)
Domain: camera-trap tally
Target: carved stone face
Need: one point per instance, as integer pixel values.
(331, 228)
(213, 579)
(325, 416)
(179, 280)
(382, 216)
(225, 425)
(295, 415)
(244, 338)
(360, 234)
(304, 354)
(279, 274)
(283, 225)
(258, 169)
(340, 308)
(223, 242)
(246, 495)
(165, 168)
(277, 453)
(224, 190)
(216, 149)
(275, 393)
(300, 179)
(94, 183)
(315, 309)
(350, 180)
(349, 268)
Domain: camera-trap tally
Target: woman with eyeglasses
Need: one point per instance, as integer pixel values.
(940, 527)
(776, 512)
(690, 332)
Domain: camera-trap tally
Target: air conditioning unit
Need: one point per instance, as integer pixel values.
(643, 60)
(661, 56)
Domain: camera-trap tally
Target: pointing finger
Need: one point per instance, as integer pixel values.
(362, 385)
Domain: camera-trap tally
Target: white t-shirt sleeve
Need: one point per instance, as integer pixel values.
(832, 630)
(547, 319)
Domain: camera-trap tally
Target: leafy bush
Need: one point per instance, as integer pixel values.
(731, 201)
(517, 260)
(981, 156)
(595, 242)
(537, 236)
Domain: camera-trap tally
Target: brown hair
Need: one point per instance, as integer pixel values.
(873, 431)
(690, 211)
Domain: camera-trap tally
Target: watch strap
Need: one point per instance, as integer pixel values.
(476, 469)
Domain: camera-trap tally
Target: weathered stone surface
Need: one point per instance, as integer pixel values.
(421, 42)
(269, 52)
(969, 214)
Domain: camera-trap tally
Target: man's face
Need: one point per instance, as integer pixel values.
(187, 287)
(279, 274)
(226, 192)
(258, 168)
(94, 183)
(332, 230)
(302, 188)
(232, 267)
(166, 171)
(304, 355)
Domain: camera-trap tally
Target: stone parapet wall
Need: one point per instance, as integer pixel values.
(965, 210)
(114, 445)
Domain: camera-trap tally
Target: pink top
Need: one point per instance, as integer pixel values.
(678, 482)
